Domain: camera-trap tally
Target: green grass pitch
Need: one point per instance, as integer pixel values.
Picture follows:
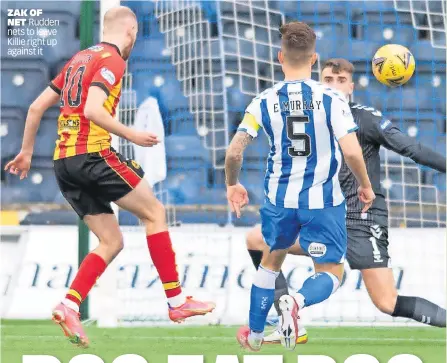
(155, 344)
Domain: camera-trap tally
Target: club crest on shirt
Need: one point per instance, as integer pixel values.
(108, 75)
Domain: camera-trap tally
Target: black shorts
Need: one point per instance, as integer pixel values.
(368, 247)
(89, 182)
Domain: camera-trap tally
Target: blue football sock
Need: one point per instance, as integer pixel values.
(262, 297)
(318, 288)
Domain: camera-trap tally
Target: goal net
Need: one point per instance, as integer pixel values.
(204, 61)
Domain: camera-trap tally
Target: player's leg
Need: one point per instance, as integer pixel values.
(142, 202)
(255, 245)
(324, 237)
(368, 252)
(280, 230)
(102, 222)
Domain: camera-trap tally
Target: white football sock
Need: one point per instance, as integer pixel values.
(299, 300)
(176, 301)
(71, 304)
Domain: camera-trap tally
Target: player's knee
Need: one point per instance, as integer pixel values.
(386, 304)
(113, 242)
(155, 213)
(254, 239)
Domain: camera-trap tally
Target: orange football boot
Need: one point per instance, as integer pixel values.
(68, 319)
(190, 308)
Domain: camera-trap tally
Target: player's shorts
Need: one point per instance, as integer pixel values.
(368, 247)
(89, 182)
(322, 232)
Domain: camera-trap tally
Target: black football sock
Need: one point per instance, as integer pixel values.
(421, 310)
(256, 257)
(281, 287)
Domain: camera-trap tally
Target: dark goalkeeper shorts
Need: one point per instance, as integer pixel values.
(89, 182)
(367, 247)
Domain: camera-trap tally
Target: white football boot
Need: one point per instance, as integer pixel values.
(275, 337)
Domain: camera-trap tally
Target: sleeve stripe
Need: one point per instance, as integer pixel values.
(54, 88)
(242, 129)
(102, 86)
(353, 129)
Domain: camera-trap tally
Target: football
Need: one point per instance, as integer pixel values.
(393, 65)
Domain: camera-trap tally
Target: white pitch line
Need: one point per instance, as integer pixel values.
(185, 338)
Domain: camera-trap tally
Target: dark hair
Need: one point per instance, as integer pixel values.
(297, 42)
(339, 65)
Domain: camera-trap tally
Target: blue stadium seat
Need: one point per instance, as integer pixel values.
(426, 56)
(247, 48)
(54, 55)
(389, 33)
(18, 194)
(12, 126)
(171, 96)
(126, 218)
(47, 134)
(359, 53)
(408, 99)
(185, 185)
(25, 77)
(377, 12)
(40, 180)
(256, 154)
(405, 119)
(180, 123)
(186, 153)
(237, 101)
(253, 180)
(147, 50)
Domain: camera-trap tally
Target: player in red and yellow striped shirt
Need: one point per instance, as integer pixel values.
(91, 174)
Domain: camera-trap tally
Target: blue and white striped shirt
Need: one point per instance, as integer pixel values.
(303, 121)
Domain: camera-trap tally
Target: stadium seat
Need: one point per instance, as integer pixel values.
(253, 180)
(126, 218)
(146, 50)
(386, 33)
(40, 180)
(408, 99)
(54, 55)
(47, 134)
(427, 56)
(25, 77)
(406, 119)
(186, 153)
(180, 123)
(359, 53)
(12, 126)
(18, 194)
(238, 101)
(256, 154)
(56, 217)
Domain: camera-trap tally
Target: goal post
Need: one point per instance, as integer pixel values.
(86, 40)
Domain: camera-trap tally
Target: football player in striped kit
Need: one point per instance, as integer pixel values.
(367, 232)
(309, 126)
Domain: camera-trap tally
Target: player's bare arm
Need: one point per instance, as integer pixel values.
(352, 153)
(236, 194)
(95, 111)
(22, 162)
